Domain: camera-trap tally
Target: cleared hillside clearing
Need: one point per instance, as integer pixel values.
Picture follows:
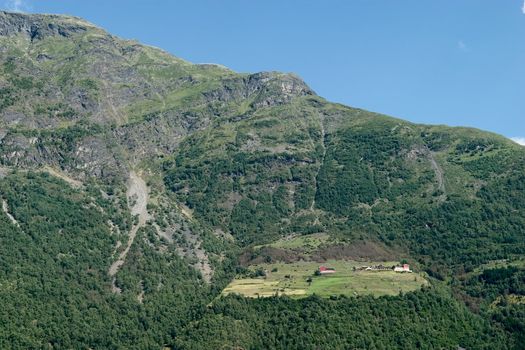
(292, 280)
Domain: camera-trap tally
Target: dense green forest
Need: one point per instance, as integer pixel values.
(421, 320)
(54, 286)
(54, 273)
(501, 293)
(60, 252)
(373, 180)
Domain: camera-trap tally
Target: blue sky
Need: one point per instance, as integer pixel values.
(455, 62)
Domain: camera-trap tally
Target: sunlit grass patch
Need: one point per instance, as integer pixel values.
(298, 280)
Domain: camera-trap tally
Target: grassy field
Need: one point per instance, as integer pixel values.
(291, 280)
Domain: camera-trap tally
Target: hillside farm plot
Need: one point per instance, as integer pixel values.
(298, 280)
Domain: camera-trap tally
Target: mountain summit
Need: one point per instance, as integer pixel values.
(37, 27)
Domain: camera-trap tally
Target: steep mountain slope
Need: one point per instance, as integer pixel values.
(225, 162)
(87, 87)
(355, 174)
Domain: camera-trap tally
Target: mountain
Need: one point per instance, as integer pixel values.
(135, 186)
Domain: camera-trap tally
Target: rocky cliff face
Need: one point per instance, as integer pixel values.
(37, 27)
(63, 76)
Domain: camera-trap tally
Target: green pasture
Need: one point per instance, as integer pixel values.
(292, 280)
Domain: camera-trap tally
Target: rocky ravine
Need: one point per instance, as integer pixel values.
(138, 194)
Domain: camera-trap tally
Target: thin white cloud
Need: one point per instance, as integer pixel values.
(519, 140)
(17, 5)
(523, 7)
(462, 46)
